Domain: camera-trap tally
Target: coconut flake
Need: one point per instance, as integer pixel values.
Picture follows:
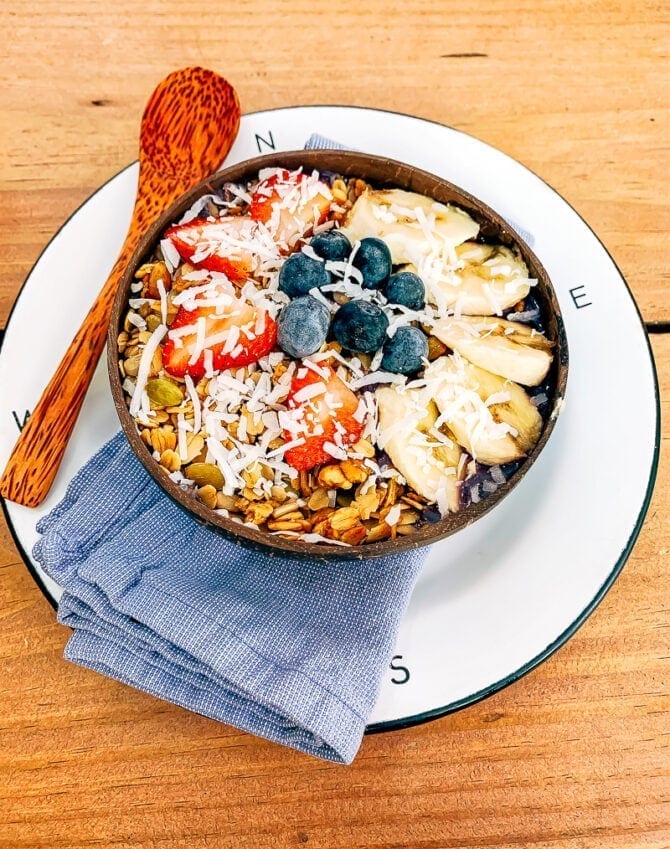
(195, 400)
(145, 366)
(393, 515)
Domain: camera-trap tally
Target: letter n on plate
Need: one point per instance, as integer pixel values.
(267, 140)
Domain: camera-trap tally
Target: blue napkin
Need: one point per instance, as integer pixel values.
(290, 650)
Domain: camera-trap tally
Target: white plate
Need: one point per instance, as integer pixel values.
(502, 595)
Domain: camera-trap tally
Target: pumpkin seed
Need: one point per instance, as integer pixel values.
(205, 474)
(164, 393)
(153, 321)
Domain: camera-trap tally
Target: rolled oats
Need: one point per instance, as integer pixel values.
(285, 509)
(345, 518)
(332, 477)
(161, 439)
(354, 471)
(378, 533)
(131, 365)
(288, 525)
(258, 512)
(194, 446)
(318, 499)
(207, 494)
(170, 460)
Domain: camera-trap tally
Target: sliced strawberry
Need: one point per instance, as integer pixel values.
(244, 352)
(213, 245)
(290, 204)
(265, 195)
(326, 417)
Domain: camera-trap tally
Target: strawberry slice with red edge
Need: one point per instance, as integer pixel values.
(298, 210)
(194, 240)
(251, 343)
(322, 416)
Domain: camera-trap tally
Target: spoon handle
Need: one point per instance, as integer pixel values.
(39, 449)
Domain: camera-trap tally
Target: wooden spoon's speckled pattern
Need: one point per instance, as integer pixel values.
(188, 127)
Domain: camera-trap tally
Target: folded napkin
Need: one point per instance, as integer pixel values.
(290, 650)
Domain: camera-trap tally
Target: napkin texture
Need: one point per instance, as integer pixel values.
(290, 650)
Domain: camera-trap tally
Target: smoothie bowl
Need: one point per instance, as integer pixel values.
(329, 354)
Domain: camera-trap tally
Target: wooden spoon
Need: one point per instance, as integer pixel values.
(188, 127)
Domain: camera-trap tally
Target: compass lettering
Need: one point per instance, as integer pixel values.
(403, 671)
(270, 143)
(579, 295)
(21, 424)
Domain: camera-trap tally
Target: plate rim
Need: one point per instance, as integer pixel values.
(575, 625)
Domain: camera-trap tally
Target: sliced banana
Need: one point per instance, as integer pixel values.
(492, 418)
(430, 466)
(507, 348)
(485, 280)
(412, 225)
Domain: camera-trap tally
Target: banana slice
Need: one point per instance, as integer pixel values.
(486, 280)
(507, 348)
(430, 466)
(492, 418)
(413, 226)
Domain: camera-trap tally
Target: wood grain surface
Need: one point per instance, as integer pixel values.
(575, 754)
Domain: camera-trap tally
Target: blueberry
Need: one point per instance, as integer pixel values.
(331, 245)
(373, 260)
(403, 353)
(406, 289)
(300, 273)
(302, 326)
(431, 515)
(360, 327)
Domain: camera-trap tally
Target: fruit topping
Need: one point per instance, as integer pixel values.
(360, 326)
(487, 280)
(492, 418)
(405, 351)
(406, 289)
(236, 336)
(302, 326)
(332, 245)
(428, 459)
(300, 273)
(508, 348)
(373, 260)
(324, 413)
(229, 245)
(413, 226)
(290, 204)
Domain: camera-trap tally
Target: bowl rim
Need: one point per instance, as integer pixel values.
(392, 172)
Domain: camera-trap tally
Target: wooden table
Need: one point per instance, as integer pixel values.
(573, 755)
